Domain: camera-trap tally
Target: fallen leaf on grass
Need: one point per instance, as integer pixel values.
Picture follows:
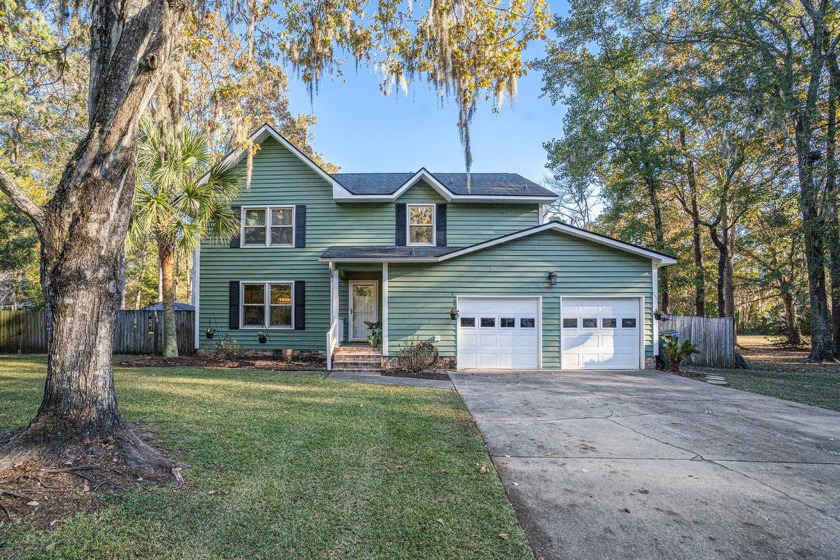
(439, 520)
(483, 470)
(504, 536)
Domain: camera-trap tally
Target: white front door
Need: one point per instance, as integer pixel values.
(498, 333)
(364, 306)
(601, 333)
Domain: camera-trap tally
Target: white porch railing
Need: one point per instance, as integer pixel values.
(334, 337)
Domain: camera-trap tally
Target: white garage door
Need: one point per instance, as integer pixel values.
(600, 333)
(498, 333)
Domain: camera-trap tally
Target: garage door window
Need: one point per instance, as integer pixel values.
(608, 323)
(488, 322)
(528, 323)
(628, 323)
(507, 322)
(590, 323)
(569, 323)
(468, 321)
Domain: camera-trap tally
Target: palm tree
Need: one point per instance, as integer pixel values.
(180, 198)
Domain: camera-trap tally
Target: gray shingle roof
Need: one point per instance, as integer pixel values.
(481, 184)
(384, 252)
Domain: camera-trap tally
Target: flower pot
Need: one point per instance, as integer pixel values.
(209, 334)
(453, 314)
(262, 340)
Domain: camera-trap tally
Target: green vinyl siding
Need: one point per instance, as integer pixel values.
(420, 193)
(468, 224)
(281, 178)
(420, 296)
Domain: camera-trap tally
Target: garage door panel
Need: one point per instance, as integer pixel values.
(503, 343)
(606, 343)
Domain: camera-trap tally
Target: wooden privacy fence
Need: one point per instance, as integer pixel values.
(135, 332)
(714, 337)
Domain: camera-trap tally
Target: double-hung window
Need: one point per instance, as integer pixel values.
(272, 226)
(421, 224)
(267, 305)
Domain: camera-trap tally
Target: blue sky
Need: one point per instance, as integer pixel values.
(361, 130)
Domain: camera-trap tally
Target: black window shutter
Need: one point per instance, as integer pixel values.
(233, 305)
(300, 305)
(300, 225)
(399, 230)
(234, 241)
(440, 225)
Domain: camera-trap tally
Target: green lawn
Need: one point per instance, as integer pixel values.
(307, 468)
(816, 389)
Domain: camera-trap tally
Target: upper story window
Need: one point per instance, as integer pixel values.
(421, 224)
(272, 226)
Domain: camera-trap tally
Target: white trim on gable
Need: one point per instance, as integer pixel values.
(658, 258)
(575, 232)
(340, 194)
(264, 132)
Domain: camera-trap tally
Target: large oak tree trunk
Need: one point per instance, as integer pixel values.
(82, 229)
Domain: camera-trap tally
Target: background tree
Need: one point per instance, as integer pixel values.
(669, 121)
(468, 49)
(790, 43)
(177, 205)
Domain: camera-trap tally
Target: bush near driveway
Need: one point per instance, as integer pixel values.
(284, 465)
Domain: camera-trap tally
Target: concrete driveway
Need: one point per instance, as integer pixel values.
(651, 465)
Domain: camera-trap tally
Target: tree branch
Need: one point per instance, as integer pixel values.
(21, 199)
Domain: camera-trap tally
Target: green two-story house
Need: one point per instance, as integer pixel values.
(473, 268)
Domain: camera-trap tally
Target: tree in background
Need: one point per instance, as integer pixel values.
(179, 199)
(789, 46)
(468, 49)
(672, 125)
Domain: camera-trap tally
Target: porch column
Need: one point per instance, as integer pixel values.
(385, 309)
(333, 293)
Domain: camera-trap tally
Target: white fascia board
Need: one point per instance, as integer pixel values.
(340, 194)
(430, 179)
(662, 260)
(658, 259)
(264, 132)
(382, 260)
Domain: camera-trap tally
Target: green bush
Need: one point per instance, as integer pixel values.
(674, 353)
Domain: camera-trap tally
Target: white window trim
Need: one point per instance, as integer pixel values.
(267, 210)
(266, 305)
(408, 208)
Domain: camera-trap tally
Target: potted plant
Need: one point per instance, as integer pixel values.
(209, 333)
(262, 337)
(453, 313)
(374, 337)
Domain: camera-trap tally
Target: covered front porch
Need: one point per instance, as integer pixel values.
(358, 300)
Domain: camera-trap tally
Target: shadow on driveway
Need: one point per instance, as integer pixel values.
(650, 465)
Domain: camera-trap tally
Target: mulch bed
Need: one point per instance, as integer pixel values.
(271, 363)
(433, 375)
